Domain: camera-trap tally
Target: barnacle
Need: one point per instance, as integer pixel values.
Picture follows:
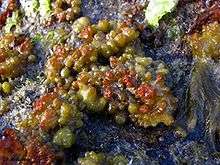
(206, 44)
(14, 53)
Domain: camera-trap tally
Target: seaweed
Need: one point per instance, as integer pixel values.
(153, 145)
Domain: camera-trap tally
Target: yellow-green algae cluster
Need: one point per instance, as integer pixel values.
(93, 158)
(205, 44)
(57, 115)
(15, 54)
(126, 85)
(130, 86)
(101, 40)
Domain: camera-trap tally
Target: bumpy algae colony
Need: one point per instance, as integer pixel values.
(101, 158)
(84, 82)
(206, 43)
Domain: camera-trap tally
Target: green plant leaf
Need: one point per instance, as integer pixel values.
(157, 9)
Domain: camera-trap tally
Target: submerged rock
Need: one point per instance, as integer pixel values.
(204, 102)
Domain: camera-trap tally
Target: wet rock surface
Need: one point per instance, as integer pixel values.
(189, 82)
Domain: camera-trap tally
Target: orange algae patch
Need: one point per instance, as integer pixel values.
(10, 147)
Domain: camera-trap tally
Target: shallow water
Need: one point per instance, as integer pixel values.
(195, 84)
